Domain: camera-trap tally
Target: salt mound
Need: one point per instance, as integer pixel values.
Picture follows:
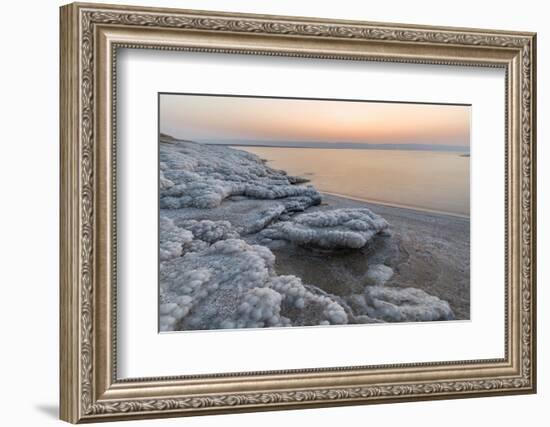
(202, 176)
(379, 274)
(212, 280)
(173, 239)
(394, 304)
(339, 228)
(209, 231)
(232, 284)
(300, 301)
(190, 236)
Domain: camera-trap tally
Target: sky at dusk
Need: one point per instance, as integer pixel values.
(234, 120)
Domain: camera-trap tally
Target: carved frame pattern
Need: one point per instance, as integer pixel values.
(79, 399)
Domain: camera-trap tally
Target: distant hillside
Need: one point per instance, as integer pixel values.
(169, 138)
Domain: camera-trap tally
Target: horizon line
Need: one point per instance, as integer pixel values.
(355, 146)
(332, 145)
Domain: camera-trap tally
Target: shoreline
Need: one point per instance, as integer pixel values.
(395, 205)
(418, 266)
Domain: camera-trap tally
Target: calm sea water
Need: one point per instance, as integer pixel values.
(429, 180)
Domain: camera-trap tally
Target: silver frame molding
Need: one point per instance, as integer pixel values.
(90, 37)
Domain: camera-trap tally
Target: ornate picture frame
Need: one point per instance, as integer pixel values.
(91, 34)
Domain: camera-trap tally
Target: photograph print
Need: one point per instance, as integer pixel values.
(301, 212)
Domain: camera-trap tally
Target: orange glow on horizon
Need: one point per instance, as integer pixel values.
(219, 119)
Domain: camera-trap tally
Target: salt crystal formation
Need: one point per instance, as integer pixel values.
(339, 228)
(216, 204)
(195, 175)
(405, 305)
(232, 284)
(378, 274)
(172, 239)
(394, 304)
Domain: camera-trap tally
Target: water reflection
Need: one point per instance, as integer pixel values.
(423, 179)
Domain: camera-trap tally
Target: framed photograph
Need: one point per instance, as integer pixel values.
(266, 212)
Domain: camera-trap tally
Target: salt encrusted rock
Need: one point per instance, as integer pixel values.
(164, 183)
(209, 231)
(339, 228)
(297, 296)
(191, 236)
(173, 239)
(232, 284)
(171, 313)
(378, 274)
(259, 307)
(264, 218)
(393, 304)
(202, 176)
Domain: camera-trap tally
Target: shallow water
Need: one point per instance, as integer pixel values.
(430, 180)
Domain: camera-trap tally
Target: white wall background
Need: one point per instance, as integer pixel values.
(29, 170)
